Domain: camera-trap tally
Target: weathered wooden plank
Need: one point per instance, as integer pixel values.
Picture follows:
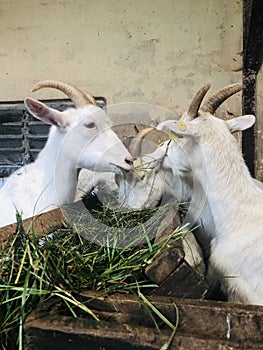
(169, 224)
(66, 333)
(69, 333)
(164, 265)
(182, 342)
(183, 282)
(174, 276)
(214, 319)
(53, 330)
(42, 224)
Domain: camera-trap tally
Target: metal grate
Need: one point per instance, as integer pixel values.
(22, 136)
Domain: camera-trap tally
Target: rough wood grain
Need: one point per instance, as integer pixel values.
(164, 265)
(183, 282)
(203, 325)
(42, 224)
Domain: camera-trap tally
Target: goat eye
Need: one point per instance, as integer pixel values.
(90, 125)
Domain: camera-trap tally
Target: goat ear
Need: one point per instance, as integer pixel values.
(241, 123)
(46, 114)
(180, 127)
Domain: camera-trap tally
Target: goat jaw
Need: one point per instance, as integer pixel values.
(78, 97)
(219, 97)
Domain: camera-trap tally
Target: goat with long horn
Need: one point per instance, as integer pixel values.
(223, 184)
(206, 168)
(79, 138)
(78, 97)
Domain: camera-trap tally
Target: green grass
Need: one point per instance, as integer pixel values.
(68, 263)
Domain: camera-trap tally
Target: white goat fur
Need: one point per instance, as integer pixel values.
(153, 182)
(78, 138)
(220, 189)
(234, 198)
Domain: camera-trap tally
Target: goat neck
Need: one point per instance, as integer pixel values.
(58, 171)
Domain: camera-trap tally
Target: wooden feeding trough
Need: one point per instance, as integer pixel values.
(125, 324)
(124, 321)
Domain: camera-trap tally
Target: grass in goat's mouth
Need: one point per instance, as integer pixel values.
(68, 263)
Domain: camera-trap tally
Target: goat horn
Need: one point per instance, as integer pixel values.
(78, 97)
(135, 127)
(135, 145)
(197, 100)
(219, 97)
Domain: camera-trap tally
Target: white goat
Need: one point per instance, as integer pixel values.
(148, 185)
(155, 181)
(184, 159)
(79, 138)
(235, 199)
(105, 184)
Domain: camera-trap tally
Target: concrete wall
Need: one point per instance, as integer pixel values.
(154, 51)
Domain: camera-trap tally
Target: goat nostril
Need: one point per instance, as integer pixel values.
(129, 160)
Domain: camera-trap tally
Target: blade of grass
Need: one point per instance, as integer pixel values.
(163, 318)
(30, 273)
(169, 342)
(155, 310)
(21, 266)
